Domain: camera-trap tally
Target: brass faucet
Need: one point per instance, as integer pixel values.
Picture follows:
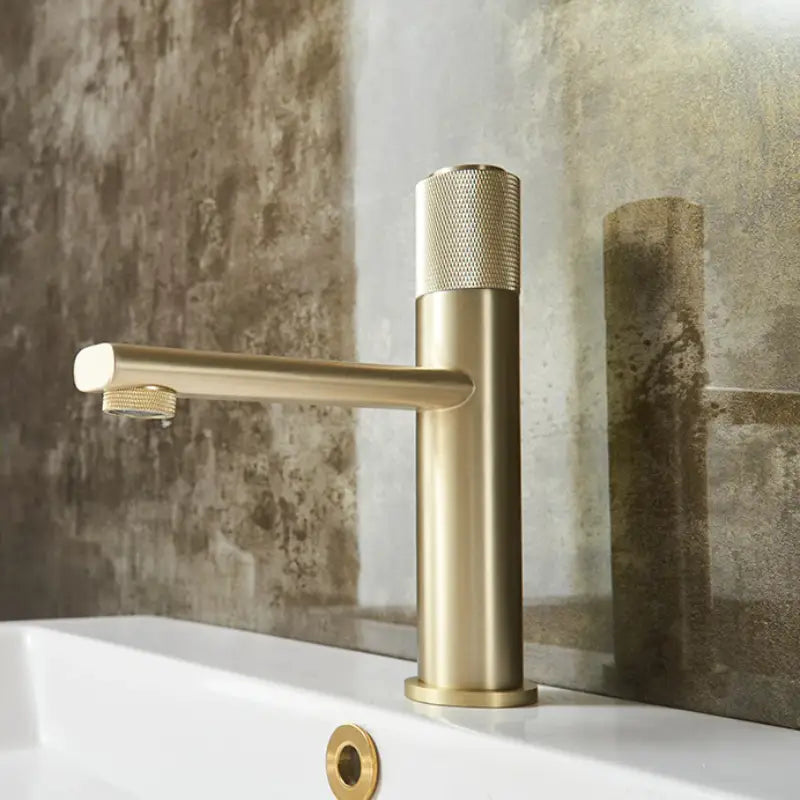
(465, 390)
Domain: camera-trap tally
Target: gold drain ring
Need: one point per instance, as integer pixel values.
(351, 762)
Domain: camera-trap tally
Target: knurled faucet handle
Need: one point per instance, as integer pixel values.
(468, 230)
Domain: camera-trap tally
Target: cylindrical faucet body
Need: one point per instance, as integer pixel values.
(469, 541)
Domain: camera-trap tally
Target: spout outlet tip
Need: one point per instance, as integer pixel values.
(94, 367)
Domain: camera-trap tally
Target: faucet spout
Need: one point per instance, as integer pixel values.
(187, 373)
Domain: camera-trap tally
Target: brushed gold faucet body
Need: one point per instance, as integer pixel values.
(465, 390)
(469, 544)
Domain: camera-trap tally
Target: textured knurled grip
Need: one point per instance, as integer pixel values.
(468, 230)
(147, 402)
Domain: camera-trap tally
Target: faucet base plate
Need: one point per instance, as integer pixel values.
(421, 692)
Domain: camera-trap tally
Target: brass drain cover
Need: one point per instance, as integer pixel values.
(351, 762)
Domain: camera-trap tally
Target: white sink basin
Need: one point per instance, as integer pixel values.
(140, 707)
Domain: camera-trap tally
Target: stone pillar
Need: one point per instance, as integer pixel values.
(654, 288)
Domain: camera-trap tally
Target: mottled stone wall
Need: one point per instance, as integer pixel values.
(172, 173)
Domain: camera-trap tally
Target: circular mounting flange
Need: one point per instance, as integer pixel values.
(421, 692)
